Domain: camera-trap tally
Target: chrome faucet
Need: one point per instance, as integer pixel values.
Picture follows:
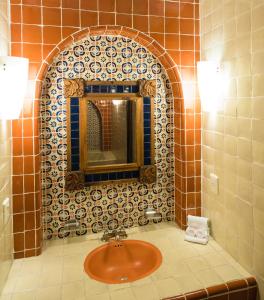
(121, 233)
(108, 235)
(117, 235)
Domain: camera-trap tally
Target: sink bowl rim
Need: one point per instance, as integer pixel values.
(114, 281)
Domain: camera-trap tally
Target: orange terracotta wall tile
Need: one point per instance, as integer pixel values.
(89, 5)
(106, 5)
(53, 3)
(124, 20)
(70, 4)
(172, 9)
(51, 16)
(140, 7)
(157, 7)
(31, 14)
(140, 23)
(51, 35)
(156, 24)
(124, 6)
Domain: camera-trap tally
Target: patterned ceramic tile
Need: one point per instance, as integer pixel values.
(114, 204)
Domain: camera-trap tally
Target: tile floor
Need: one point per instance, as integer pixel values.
(58, 272)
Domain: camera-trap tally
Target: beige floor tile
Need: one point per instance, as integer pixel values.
(122, 294)
(208, 277)
(73, 274)
(50, 293)
(143, 281)
(170, 257)
(164, 271)
(9, 285)
(88, 246)
(93, 287)
(215, 259)
(197, 263)
(116, 287)
(82, 247)
(227, 272)
(27, 283)
(242, 272)
(51, 263)
(53, 249)
(73, 291)
(146, 292)
(33, 267)
(188, 283)
(105, 296)
(180, 267)
(202, 249)
(50, 278)
(232, 262)
(71, 249)
(5, 297)
(177, 241)
(167, 287)
(16, 268)
(24, 296)
(73, 261)
(185, 252)
(215, 245)
(163, 244)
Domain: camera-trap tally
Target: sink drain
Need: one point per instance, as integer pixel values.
(124, 278)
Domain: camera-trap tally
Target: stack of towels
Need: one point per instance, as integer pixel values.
(197, 230)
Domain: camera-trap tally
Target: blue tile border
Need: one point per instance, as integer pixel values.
(147, 130)
(111, 176)
(111, 88)
(75, 134)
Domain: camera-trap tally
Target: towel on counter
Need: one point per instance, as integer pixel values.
(197, 230)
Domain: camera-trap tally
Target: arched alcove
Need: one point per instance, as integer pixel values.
(171, 70)
(105, 56)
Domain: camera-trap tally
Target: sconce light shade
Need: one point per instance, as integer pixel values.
(210, 85)
(13, 85)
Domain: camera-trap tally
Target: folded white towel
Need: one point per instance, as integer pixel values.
(197, 222)
(196, 240)
(197, 230)
(193, 232)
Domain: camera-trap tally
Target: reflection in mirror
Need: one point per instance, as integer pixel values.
(111, 132)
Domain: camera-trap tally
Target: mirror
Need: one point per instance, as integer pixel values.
(110, 133)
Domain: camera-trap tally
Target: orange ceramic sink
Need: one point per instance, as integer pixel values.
(122, 261)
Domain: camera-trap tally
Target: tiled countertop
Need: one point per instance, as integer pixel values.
(58, 272)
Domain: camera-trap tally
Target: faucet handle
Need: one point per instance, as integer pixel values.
(121, 232)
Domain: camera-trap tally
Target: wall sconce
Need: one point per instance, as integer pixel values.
(211, 87)
(13, 82)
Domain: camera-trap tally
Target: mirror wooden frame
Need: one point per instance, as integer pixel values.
(146, 90)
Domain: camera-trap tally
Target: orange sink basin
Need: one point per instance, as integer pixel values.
(122, 261)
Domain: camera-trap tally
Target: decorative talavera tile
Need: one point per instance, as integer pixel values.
(109, 205)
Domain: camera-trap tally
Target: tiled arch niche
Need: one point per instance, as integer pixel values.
(186, 178)
(112, 204)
